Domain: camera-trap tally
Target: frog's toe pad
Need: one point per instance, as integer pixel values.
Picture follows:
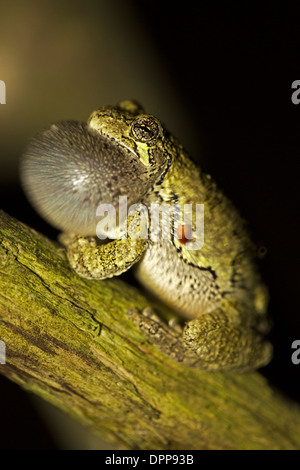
(147, 320)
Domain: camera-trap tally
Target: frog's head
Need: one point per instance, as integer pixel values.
(71, 168)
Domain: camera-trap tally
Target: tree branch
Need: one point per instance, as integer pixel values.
(68, 341)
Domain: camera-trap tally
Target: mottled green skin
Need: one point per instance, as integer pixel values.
(217, 286)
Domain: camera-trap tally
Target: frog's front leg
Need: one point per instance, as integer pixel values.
(101, 261)
(214, 341)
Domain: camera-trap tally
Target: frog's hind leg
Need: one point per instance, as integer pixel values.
(221, 343)
(214, 341)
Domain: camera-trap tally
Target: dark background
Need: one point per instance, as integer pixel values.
(220, 78)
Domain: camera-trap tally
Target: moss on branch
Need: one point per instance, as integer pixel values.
(68, 341)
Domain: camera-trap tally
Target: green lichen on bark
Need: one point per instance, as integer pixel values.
(68, 340)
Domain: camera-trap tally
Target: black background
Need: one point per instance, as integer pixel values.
(232, 67)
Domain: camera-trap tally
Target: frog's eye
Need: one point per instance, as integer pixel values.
(145, 129)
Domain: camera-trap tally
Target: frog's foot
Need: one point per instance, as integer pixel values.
(173, 322)
(167, 338)
(212, 342)
(101, 261)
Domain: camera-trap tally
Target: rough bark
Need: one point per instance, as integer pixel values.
(68, 341)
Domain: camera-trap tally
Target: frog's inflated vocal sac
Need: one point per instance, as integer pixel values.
(72, 167)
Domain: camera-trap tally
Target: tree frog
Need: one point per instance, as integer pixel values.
(73, 167)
